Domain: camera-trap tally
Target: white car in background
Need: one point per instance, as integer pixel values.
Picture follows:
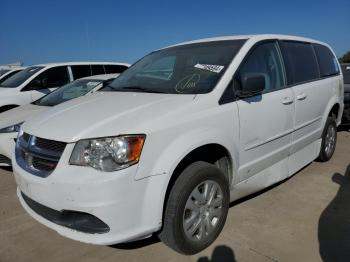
(11, 120)
(36, 81)
(10, 73)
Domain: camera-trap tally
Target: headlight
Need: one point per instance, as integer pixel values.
(11, 129)
(109, 153)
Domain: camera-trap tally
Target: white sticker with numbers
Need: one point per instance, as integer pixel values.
(212, 68)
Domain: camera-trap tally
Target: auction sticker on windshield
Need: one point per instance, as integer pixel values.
(212, 68)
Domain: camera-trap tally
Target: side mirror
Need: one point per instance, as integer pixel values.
(251, 85)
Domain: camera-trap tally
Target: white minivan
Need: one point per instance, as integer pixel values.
(35, 81)
(177, 136)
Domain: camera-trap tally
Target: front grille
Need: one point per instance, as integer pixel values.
(43, 164)
(5, 160)
(50, 144)
(39, 156)
(26, 137)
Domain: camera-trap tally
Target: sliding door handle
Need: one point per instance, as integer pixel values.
(301, 96)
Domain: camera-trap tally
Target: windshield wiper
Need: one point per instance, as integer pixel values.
(134, 88)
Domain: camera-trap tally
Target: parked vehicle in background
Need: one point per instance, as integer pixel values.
(10, 73)
(346, 74)
(181, 133)
(11, 120)
(35, 81)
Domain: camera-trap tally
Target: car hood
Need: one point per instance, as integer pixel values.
(107, 114)
(19, 114)
(4, 91)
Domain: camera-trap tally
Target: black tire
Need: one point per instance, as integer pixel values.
(173, 232)
(326, 154)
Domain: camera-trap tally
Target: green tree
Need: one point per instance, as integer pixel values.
(345, 58)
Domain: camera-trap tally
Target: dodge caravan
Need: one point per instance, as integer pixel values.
(35, 81)
(177, 136)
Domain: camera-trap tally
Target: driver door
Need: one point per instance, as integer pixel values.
(266, 120)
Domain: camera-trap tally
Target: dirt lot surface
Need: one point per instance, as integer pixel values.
(305, 218)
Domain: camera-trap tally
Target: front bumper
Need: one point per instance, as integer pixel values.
(7, 147)
(117, 199)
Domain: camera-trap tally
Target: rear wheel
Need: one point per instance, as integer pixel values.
(329, 140)
(196, 209)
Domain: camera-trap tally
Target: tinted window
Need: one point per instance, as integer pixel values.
(326, 60)
(113, 69)
(68, 92)
(80, 71)
(52, 77)
(195, 69)
(300, 61)
(264, 60)
(97, 69)
(21, 77)
(9, 75)
(346, 73)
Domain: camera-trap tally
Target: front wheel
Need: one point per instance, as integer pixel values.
(196, 209)
(329, 140)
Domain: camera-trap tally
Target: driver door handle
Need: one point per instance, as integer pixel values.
(287, 101)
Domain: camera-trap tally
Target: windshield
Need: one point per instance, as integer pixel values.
(346, 73)
(68, 92)
(21, 77)
(187, 69)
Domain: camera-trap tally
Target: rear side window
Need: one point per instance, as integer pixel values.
(97, 69)
(115, 69)
(300, 61)
(326, 60)
(80, 71)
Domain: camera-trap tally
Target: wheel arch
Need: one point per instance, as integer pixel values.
(200, 153)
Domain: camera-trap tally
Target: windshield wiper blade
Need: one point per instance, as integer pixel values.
(135, 88)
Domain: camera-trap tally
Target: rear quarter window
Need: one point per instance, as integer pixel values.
(327, 61)
(300, 61)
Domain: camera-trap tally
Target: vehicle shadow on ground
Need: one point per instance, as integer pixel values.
(334, 223)
(220, 254)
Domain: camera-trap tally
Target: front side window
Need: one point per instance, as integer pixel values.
(326, 60)
(51, 78)
(67, 92)
(186, 69)
(19, 78)
(264, 61)
(300, 61)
